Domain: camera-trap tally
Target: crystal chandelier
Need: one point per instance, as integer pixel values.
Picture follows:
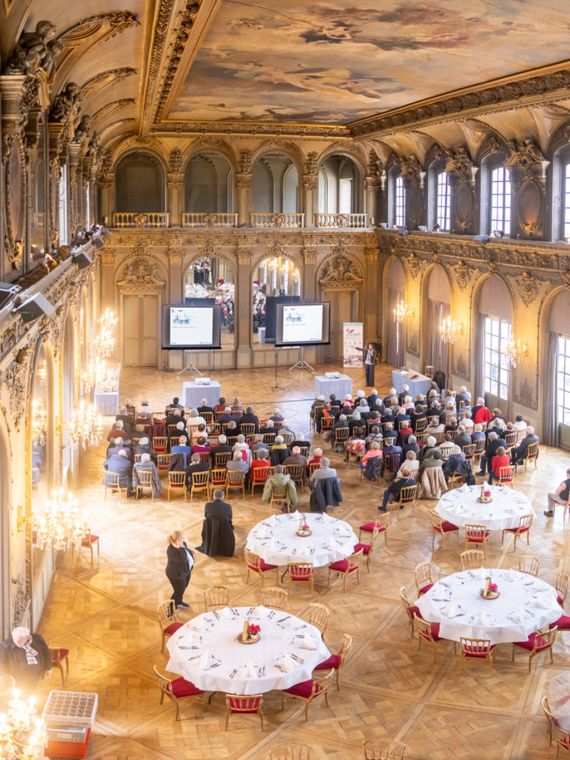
(39, 424)
(106, 340)
(450, 330)
(22, 732)
(61, 525)
(516, 350)
(402, 312)
(86, 426)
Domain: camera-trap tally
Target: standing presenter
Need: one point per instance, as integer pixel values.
(369, 354)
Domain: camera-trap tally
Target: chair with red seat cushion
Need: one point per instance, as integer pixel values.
(410, 609)
(336, 661)
(423, 576)
(428, 632)
(441, 527)
(167, 620)
(476, 534)
(301, 572)
(539, 641)
(523, 528)
(561, 586)
(241, 704)
(555, 732)
(382, 523)
(367, 549)
(176, 689)
(563, 623)
(255, 564)
(58, 657)
(89, 541)
(347, 567)
(477, 649)
(308, 691)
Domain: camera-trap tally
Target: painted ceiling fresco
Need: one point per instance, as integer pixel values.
(330, 63)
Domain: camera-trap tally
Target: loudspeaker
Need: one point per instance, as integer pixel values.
(7, 291)
(35, 307)
(82, 260)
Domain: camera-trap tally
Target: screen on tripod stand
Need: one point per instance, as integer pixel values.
(191, 327)
(303, 324)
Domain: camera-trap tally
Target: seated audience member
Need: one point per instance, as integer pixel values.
(122, 465)
(201, 445)
(117, 445)
(340, 424)
(173, 417)
(462, 395)
(204, 407)
(375, 434)
(236, 406)
(276, 416)
(435, 429)
(430, 445)
(176, 404)
(411, 445)
(279, 451)
(181, 432)
(177, 463)
(242, 446)
(285, 430)
(462, 437)
(222, 447)
(401, 415)
(520, 452)
(280, 478)
(497, 422)
(467, 422)
(499, 459)
(519, 423)
(194, 419)
(316, 456)
(480, 413)
(418, 413)
(451, 425)
(300, 440)
(493, 443)
(373, 398)
(237, 462)
(182, 448)
(231, 429)
(325, 488)
(142, 447)
(198, 433)
(258, 443)
(356, 424)
(295, 457)
(392, 493)
(447, 446)
(147, 465)
(403, 393)
(218, 539)
(267, 426)
(560, 496)
(315, 412)
(477, 434)
(392, 395)
(433, 459)
(26, 658)
(221, 405)
(226, 416)
(117, 431)
(260, 461)
(371, 461)
(431, 477)
(404, 432)
(195, 465)
(392, 455)
(411, 463)
(249, 418)
(324, 471)
(456, 464)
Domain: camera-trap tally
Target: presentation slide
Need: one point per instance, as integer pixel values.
(301, 324)
(191, 326)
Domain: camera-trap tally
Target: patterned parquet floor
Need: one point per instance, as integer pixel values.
(105, 615)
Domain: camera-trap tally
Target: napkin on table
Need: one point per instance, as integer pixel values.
(305, 643)
(283, 665)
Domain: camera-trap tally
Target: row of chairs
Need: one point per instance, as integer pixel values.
(478, 534)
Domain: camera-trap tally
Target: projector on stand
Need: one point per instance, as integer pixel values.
(202, 381)
(332, 375)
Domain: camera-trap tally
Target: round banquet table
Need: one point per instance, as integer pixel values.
(275, 540)
(205, 651)
(558, 695)
(526, 604)
(460, 507)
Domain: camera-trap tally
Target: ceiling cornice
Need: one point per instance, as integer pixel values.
(265, 128)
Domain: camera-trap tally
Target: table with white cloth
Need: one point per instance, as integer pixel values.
(107, 404)
(206, 651)
(275, 539)
(558, 695)
(525, 604)
(193, 393)
(340, 386)
(416, 384)
(460, 507)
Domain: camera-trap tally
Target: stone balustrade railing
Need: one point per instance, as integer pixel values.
(129, 219)
(221, 219)
(285, 220)
(342, 221)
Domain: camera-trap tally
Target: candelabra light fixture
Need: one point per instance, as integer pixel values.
(86, 426)
(39, 424)
(516, 350)
(106, 340)
(402, 312)
(22, 731)
(61, 525)
(450, 330)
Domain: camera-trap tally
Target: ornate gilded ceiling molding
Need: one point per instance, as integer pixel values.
(165, 128)
(114, 124)
(544, 85)
(413, 264)
(108, 108)
(105, 78)
(463, 274)
(529, 287)
(113, 22)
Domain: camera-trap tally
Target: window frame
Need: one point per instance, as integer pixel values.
(497, 333)
(443, 216)
(500, 186)
(399, 201)
(562, 380)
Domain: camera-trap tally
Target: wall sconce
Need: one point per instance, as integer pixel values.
(422, 180)
(450, 330)
(544, 164)
(516, 350)
(383, 180)
(402, 312)
(474, 170)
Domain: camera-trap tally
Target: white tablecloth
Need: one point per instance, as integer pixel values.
(558, 695)
(340, 386)
(193, 393)
(460, 506)
(275, 539)
(526, 603)
(420, 384)
(205, 651)
(107, 404)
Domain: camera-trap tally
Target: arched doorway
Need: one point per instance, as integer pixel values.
(436, 306)
(275, 277)
(208, 184)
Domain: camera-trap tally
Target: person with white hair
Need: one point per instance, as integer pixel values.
(118, 430)
(142, 447)
(295, 457)
(237, 462)
(480, 413)
(462, 395)
(204, 407)
(520, 452)
(147, 465)
(194, 419)
(279, 451)
(115, 447)
(25, 657)
(182, 448)
(277, 416)
(121, 464)
(403, 393)
(242, 446)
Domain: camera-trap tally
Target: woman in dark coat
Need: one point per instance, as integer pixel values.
(26, 657)
(179, 566)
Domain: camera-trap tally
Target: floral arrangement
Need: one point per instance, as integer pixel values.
(490, 590)
(253, 630)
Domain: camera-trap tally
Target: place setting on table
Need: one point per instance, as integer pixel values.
(246, 650)
(495, 507)
(501, 605)
(314, 538)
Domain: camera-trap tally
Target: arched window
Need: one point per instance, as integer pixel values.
(275, 184)
(500, 200)
(399, 202)
(494, 334)
(443, 202)
(561, 194)
(208, 184)
(556, 427)
(140, 184)
(436, 308)
(339, 186)
(566, 203)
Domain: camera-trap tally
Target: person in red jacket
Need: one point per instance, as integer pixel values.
(501, 459)
(480, 413)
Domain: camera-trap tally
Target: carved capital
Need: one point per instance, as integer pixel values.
(244, 257)
(108, 257)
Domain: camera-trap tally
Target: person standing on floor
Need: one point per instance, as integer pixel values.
(369, 358)
(180, 561)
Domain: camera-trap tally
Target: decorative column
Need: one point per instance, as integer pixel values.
(175, 180)
(310, 188)
(75, 185)
(107, 279)
(243, 184)
(371, 198)
(371, 300)
(309, 271)
(175, 281)
(243, 316)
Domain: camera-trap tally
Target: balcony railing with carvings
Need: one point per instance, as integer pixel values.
(286, 220)
(122, 219)
(343, 221)
(196, 219)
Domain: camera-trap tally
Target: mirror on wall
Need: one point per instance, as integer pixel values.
(275, 276)
(212, 277)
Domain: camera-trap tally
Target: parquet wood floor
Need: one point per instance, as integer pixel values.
(105, 614)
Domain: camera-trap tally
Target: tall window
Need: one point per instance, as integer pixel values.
(400, 203)
(443, 202)
(566, 210)
(496, 364)
(500, 200)
(63, 220)
(563, 381)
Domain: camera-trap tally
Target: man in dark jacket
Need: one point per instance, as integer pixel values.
(249, 418)
(493, 443)
(520, 452)
(217, 530)
(26, 657)
(121, 464)
(392, 493)
(180, 562)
